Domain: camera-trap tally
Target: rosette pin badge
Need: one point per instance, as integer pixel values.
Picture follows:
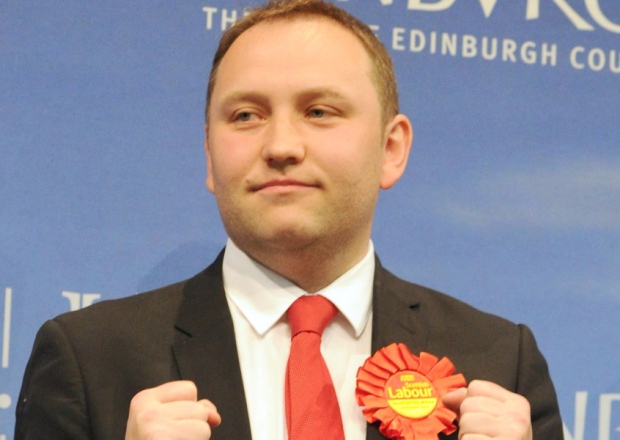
(404, 393)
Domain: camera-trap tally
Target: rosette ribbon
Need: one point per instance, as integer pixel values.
(404, 393)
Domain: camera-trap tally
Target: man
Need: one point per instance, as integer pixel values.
(302, 132)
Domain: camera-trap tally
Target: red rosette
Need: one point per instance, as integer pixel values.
(404, 393)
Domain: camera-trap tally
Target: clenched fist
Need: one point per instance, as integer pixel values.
(487, 411)
(171, 411)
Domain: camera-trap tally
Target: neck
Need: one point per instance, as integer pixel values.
(310, 267)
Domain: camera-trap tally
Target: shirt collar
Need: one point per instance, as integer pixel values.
(262, 296)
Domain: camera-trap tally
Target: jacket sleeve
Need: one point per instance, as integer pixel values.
(534, 383)
(52, 401)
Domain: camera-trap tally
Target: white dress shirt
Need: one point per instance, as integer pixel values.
(258, 299)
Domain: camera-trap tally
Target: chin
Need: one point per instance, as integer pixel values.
(290, 238)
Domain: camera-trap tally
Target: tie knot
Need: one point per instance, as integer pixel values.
(310, 314)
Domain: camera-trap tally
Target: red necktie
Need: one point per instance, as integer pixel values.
(312, 409)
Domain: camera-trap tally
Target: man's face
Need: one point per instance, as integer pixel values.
(294, 140)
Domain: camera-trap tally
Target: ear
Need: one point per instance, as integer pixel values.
(209, 179)
(398, 139)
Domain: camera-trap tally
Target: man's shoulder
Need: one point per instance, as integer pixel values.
(440, 308)
(156, 303)
(119, 324)
(153, 307)
(482, 345)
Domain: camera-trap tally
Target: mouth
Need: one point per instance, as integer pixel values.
(282, 185)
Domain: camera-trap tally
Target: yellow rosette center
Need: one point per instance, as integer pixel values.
(410, 394)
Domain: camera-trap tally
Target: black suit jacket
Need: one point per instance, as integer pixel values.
(86, 366)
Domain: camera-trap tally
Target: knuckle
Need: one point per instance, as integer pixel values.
(139, 400)
(468, 405)
(476, 387)
(188, 387)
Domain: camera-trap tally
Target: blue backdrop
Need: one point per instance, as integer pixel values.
(511, 200)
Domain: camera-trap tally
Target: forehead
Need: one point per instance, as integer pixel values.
(310, 46)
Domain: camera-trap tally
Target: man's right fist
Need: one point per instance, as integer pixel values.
(171, 411)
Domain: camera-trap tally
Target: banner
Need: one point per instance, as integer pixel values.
(511, 199)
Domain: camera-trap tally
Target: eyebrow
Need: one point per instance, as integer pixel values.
(243, 96)
(322, 92)
(305, 95)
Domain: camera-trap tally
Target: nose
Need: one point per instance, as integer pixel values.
(283, 143)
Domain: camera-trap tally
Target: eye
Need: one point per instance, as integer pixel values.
(244, 116)
(317, 113)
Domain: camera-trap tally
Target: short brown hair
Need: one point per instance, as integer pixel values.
(382, 75)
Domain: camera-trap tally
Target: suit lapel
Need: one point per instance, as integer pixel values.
(206, 352)
(396, 315)
(395, 319)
